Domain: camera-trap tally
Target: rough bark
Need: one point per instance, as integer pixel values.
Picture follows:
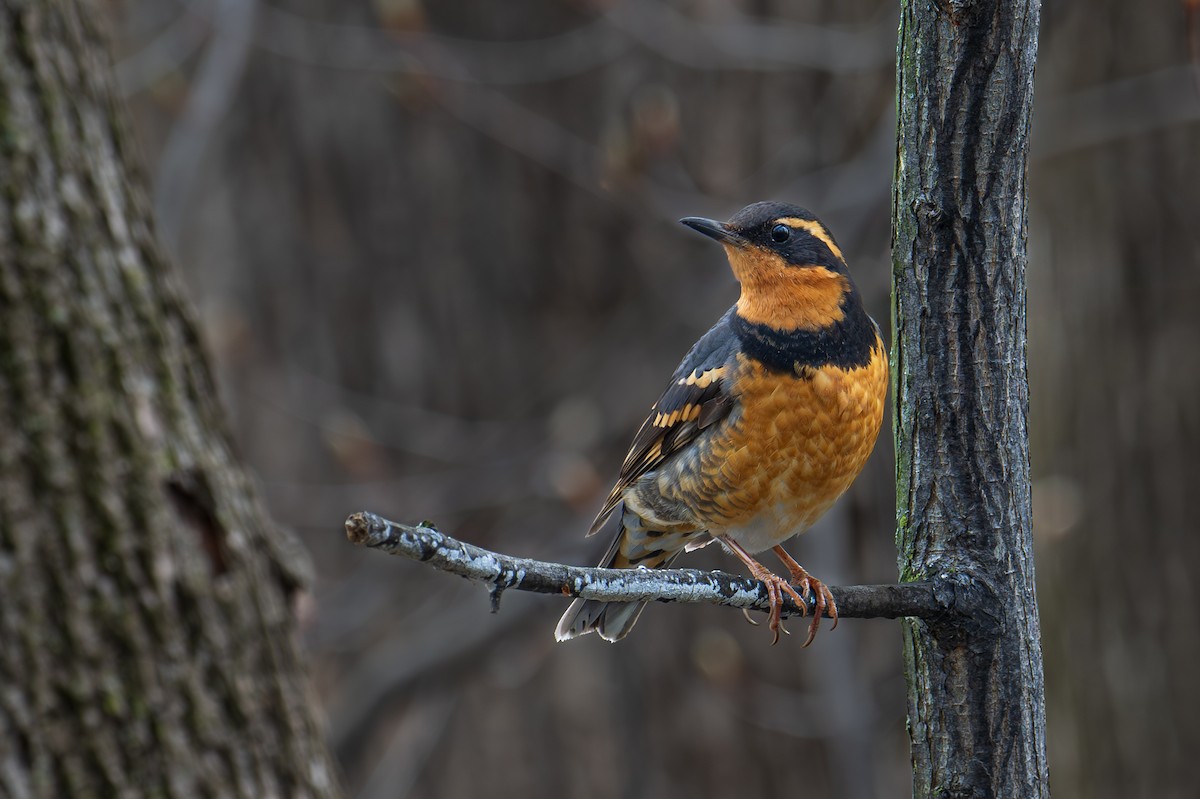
(149, 641)
(965, 89)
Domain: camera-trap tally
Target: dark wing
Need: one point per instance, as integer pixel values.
(697, 397)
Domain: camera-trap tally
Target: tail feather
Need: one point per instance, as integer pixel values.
(612, 620)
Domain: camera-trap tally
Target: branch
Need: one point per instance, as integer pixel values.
(162, 55)
(931, 601)
(210, 97)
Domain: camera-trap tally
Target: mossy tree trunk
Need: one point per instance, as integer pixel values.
(147, 634)
(965, 92)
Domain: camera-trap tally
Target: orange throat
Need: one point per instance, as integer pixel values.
(786, 297)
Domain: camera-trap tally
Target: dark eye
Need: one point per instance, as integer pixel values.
(780, 233)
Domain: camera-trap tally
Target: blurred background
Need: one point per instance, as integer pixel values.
(434, 248)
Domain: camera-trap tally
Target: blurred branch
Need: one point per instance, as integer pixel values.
(409, 746)
(739, 43)
(1115, 110)
(324, 405)
(386, 671)
(1191, 12)
(502, 572)
(211, 94)
(178, 41)
(839, 187)
(539, 138)
(491, 484)
(742, 43)
(361, 47)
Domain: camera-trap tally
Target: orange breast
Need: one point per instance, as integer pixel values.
(795, 447)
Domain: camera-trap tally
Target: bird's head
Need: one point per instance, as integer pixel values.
(791, 270)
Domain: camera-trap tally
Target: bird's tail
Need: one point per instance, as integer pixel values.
(613, 620)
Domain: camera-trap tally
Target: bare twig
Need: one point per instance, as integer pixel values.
(932, 600)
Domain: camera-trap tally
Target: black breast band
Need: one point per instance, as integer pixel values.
(846, 343)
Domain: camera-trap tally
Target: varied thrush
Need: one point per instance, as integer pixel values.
(766, 422)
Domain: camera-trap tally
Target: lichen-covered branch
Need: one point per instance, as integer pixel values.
(935, 599)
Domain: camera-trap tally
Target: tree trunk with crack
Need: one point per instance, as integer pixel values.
(149, 639)
(965, 91)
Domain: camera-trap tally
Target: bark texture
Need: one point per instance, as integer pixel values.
(965, 90)
(149, 641)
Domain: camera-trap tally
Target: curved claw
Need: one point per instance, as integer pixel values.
(824, 600)
(773, 618)
(775, 585)
(813, 588)
(818, 611)
(833, 611)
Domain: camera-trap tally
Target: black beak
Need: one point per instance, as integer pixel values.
(713, 229)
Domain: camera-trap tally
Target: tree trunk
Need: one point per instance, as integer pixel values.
(149, 641)
(965, 90)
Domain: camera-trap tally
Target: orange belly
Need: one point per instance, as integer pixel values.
(796, 446)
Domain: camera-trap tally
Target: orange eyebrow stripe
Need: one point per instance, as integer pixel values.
(814, 229)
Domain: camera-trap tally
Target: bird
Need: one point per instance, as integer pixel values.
(767, 421)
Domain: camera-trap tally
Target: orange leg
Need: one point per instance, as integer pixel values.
(775, 584)
(809, 586)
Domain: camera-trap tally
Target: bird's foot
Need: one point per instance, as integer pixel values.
(776, 587)
(812, 589)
